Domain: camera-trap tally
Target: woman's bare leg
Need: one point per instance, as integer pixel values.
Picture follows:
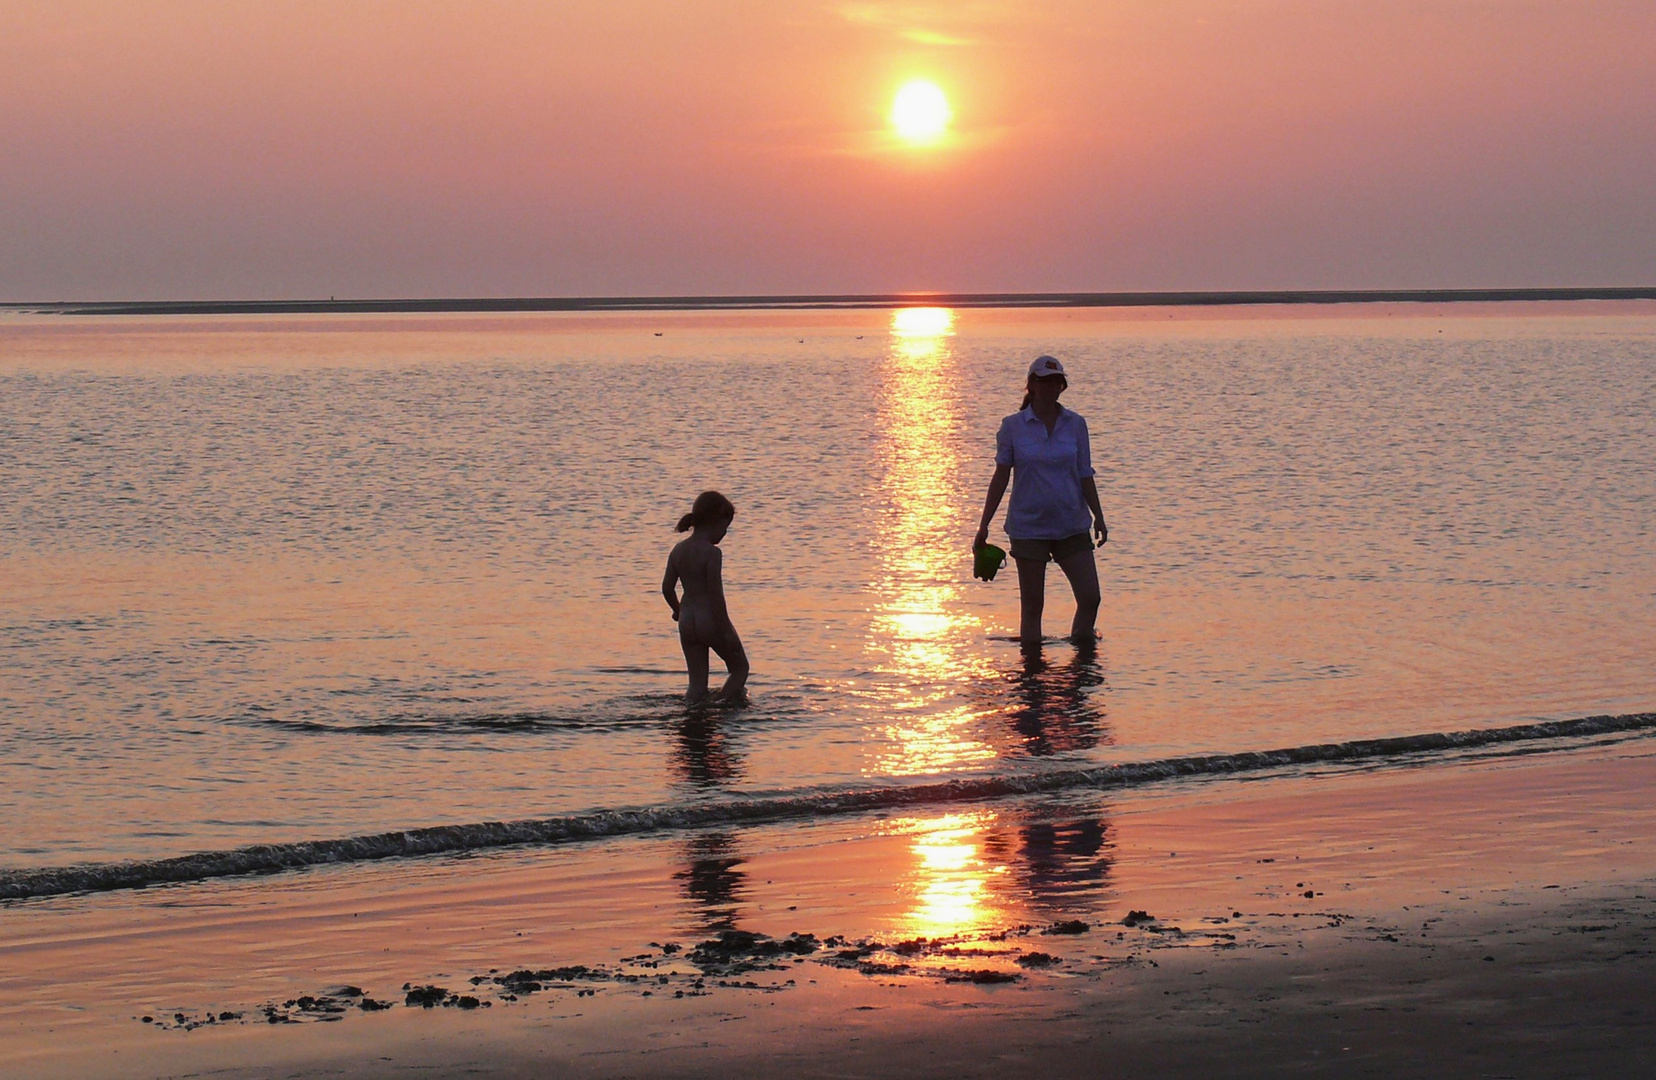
(1031, 601)
(736, 661)
(695, 661)
(1082, 572)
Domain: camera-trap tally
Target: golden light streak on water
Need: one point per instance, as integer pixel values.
(916, 631)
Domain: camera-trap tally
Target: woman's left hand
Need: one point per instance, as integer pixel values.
(1102, 531)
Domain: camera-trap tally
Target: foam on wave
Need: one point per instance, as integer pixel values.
(272, 858)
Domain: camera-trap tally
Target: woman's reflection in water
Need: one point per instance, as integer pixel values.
(1051, 708)
(1060, 861)
(704, 758)
(711, 880)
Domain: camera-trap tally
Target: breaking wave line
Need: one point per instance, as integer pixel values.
(438, 839)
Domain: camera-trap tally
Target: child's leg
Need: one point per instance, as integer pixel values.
(731, 652)
(695, 662)
(1031, 600)
(1082, 572)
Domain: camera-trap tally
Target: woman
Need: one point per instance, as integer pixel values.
(1043, 449)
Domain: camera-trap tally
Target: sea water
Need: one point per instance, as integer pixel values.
(274, 579)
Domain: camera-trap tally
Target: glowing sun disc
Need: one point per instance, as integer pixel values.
(922, 321)
(920, 112)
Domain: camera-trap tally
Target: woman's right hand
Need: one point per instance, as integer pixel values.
(981, 538)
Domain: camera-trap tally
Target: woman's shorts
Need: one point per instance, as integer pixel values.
(1056, 550)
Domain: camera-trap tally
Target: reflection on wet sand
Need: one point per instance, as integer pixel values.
(1062, 865)
(988, 869)
(955, 887)
(711, 881)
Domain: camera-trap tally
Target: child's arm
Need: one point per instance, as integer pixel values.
(669, 584)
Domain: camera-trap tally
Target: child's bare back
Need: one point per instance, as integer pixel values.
(702, 616)
(704, 622)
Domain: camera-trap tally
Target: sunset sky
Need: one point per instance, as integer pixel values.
(169, 149)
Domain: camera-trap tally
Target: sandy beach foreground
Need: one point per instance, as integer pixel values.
(1487, 917)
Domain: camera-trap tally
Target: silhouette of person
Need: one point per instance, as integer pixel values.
(704, 620)
(1044, 451)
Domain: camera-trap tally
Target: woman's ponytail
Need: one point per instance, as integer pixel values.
(709, 507)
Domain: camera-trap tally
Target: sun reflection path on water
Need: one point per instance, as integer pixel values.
(920, 638)
(922, 643)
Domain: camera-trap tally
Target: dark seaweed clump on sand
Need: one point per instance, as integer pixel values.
(737, 951)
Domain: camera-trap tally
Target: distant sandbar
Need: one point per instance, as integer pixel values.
(826, 301)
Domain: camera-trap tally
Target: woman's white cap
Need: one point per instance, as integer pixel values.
(1043, 366)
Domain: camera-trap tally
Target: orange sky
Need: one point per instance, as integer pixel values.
(206, 149)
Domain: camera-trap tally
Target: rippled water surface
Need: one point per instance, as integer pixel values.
(277, 578)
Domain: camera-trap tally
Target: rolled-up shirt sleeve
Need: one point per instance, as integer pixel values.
(1083, 451)
(1003, 444)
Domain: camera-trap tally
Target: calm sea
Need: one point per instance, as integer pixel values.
(273, 579)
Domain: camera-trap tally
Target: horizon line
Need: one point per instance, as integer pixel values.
(808, 301)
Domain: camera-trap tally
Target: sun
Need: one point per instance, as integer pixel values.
(920, 113)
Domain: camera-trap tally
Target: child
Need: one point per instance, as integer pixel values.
(704, 622)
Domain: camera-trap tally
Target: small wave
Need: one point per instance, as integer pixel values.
(273, 858)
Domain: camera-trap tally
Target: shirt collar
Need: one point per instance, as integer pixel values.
(1028, 414)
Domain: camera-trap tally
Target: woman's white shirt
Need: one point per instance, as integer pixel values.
(1047, 470)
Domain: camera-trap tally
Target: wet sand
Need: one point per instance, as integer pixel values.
(1486, 917)
(1559, 999)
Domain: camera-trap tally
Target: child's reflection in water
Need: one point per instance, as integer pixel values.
(704, 757)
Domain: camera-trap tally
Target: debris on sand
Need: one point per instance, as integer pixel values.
(737, 951)
(425, 996)
(874, 968)
(681, 971)
(529, 981)
(982, 977)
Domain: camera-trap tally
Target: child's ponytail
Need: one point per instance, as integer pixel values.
(709, 507)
